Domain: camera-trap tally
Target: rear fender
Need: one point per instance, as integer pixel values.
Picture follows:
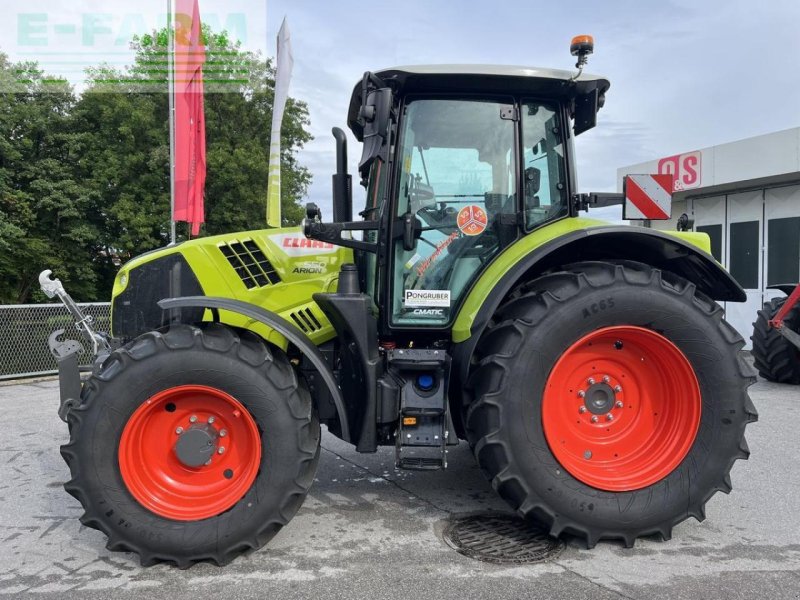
(684, 254)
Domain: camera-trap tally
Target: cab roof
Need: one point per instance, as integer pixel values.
(490, 79)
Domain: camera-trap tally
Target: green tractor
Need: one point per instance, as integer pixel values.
(587, 365)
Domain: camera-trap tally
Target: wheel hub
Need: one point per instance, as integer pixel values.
(197, 445)
(600, 399)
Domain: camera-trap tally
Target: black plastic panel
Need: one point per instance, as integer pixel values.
(136, 311)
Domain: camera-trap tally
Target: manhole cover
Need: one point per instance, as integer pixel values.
(499, 538)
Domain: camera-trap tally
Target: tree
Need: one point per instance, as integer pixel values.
(131, 176)
(84, 183)
(42, 206)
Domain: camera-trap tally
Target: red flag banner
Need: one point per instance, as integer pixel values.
(190, 123)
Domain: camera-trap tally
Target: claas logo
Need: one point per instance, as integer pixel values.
(303, 242)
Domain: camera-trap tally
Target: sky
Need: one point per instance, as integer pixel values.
(684, 74)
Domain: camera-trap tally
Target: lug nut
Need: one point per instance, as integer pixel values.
(211, 420)
(193, 419)
(221, 450)
(618, 388)
(595, 419)
(618, 404)
(223, 433)
(582, 409)
(179, 430)
(609, 417)
(590, 381)
(581, 393)
(606, 379)
(587, 454)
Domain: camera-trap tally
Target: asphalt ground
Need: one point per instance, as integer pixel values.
(368, 531)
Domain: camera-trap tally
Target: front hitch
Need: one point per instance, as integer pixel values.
(66, 351)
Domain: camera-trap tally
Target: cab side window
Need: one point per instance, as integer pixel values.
(544, 179)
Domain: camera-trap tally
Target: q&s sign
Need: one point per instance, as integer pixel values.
(684, 168)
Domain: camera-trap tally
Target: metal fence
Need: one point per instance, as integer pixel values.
(24, 329)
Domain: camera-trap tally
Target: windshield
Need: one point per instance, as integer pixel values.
(457, 177)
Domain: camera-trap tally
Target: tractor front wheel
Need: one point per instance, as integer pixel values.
(192, 444)
(609, 401)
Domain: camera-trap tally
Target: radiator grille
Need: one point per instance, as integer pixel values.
(306, 320)
(250, 264)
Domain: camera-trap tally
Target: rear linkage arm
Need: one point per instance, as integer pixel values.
(777, 321)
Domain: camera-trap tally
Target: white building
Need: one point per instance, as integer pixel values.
(746, 196)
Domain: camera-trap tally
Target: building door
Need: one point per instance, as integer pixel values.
(709, 217)
(745, 257)
(782, 237)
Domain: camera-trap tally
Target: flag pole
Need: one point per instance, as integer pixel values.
(171, 80)
(283, 74)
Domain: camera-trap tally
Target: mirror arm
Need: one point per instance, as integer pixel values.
(332, 233)
(596, 200)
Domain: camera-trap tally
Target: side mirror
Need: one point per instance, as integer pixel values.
(647, 197)
(586, 107)
(376, 114)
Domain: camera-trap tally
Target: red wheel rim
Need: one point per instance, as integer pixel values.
(166, 486)
(621, 408)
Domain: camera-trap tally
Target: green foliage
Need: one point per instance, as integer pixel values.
(42, 205)
(84, 182)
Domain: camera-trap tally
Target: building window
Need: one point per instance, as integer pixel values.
(744, 254)
(783, 250)
(715, 233)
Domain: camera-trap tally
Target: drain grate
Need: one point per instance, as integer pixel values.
(499, 538)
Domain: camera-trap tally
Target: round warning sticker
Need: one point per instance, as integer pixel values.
(472, 220)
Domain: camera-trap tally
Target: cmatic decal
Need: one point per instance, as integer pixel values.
(647, 197)
(436, 313)
(423, 266)
(472, 220)
(294, 244)
(310, 267)
(426, 298)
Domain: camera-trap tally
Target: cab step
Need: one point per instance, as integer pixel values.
(424, 422)
(421, 463)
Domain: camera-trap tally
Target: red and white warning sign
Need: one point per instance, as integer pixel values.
(647, 197)
(472, 220)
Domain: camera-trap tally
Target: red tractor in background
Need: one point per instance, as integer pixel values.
(776, 337)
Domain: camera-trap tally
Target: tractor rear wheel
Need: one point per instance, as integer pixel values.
(775, 357)
(609, 401)
(192, 444)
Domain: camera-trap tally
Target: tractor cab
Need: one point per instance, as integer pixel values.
(459, 162)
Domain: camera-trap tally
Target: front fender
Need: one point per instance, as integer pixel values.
(274, 321)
